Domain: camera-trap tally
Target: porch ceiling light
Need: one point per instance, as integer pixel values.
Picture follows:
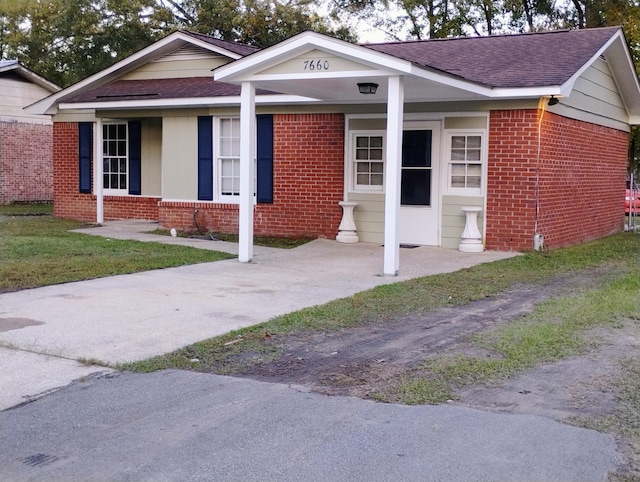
(367, 88)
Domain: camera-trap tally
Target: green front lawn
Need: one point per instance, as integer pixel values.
(39, 251)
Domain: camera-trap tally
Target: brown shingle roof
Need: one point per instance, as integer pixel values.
(527, 60)
(181, 88)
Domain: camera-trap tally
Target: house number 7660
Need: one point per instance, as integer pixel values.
(316, 64)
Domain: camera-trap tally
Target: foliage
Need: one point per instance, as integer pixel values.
(256, 22)
(423, 19)
(69, 40)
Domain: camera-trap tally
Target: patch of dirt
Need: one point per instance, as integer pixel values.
(366, 360)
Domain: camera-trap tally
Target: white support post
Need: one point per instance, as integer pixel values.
(247, 168)
(98, 170)
(395, 116)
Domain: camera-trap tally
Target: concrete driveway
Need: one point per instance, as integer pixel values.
(45, 331)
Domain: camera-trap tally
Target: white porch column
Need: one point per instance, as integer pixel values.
(98, 170)
(395, 115)
(247, 168)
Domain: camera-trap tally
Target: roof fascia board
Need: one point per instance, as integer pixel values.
(244, 69)
(451, 81)
(526, 92)
(31, 76)
(189, 102)
(211, 47)
(617, 54)
(155, 50)
(321, 75)
(568, 85)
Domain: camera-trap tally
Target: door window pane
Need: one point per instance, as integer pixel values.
(416, 149)
(416, 187)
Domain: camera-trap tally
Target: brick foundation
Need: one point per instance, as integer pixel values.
(26, 166)
(581, 175)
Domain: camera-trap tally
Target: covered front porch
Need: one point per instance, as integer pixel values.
(325, 71)
(323, 265)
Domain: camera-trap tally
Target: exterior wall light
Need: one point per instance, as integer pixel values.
(367, 88)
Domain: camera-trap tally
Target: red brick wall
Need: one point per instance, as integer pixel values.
(221, 218)
(308, 177)
(308, 184)
(68, 202)
(583, 177)
(26, 165)
(581, 180)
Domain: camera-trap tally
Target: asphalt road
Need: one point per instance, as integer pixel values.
(183, 426)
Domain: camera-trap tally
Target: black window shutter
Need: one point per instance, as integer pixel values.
(85, 146)
(264, 157)
(135, 157)
(205, 158)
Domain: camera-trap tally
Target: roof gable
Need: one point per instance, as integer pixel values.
(14, 67)
(522, 66)
(157, 50)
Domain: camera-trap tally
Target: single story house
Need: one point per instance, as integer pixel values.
(530, 130)
(26, 140)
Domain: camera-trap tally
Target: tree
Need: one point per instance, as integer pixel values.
(68, 40)
(257, 22)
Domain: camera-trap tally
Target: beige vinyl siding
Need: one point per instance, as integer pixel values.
(595, 98)
(152, 157)
(477, 122)
(453, 219)
(88, 115)
(17, 93)
(172, 69)
(369, 216)
(315, 60)
(180, 158)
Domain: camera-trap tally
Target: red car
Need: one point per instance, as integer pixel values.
(632, 201)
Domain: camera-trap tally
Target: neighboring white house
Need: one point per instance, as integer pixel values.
(26, 140)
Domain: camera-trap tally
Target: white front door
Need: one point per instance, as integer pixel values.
(419, 196)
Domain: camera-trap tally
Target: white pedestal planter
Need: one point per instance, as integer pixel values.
(471, 238)
(347, 228)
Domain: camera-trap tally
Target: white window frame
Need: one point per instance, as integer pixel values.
(105, 140)
(217, 163)
(465, 191)
(353, 161)
(219, 158)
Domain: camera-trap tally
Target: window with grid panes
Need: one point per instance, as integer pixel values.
(114, 156)
(228, 156)
(368, 162)
(466, 162)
